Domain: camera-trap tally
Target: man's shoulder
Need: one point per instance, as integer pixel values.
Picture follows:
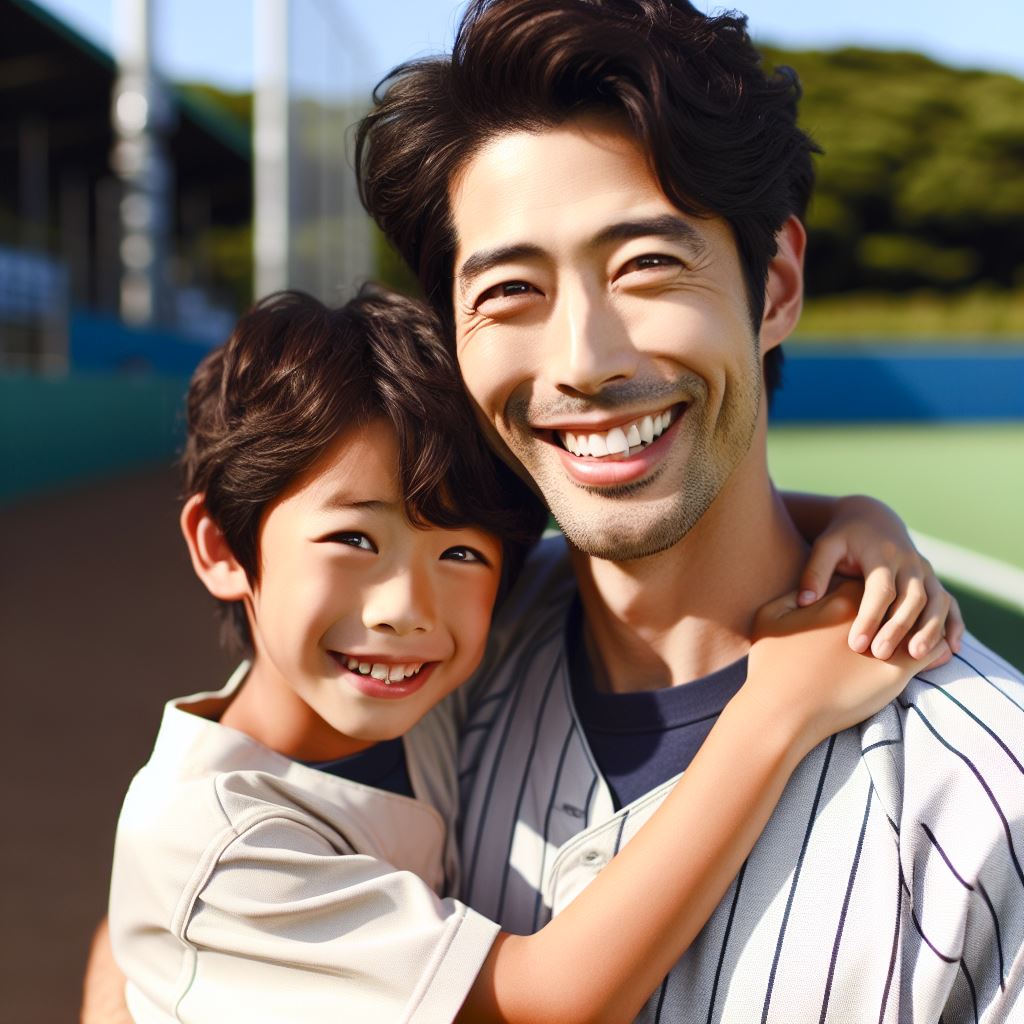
(530, 623)
(950, 748)
(546, 578)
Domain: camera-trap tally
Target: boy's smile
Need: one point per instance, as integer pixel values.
(361, 621)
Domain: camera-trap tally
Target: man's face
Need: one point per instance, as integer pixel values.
(604, 335)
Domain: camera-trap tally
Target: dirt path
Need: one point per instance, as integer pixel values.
(101, 620)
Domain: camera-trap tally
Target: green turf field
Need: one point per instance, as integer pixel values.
(961, 483)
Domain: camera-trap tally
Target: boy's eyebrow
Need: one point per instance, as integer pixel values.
(673, 229)
(343, 503)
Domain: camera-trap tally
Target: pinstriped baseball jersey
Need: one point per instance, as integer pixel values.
(887, 886)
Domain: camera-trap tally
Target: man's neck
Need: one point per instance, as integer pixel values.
(687, 611)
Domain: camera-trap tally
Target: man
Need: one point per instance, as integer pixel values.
(603, 199)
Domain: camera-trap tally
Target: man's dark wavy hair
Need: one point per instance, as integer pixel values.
(720, 132)
(295, 375)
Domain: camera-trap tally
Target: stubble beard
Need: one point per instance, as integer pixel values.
(625, 527)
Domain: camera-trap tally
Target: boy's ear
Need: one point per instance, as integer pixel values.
(784, 292)
(211, 557)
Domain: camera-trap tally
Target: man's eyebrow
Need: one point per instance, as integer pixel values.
(484, 260)
(673, 229)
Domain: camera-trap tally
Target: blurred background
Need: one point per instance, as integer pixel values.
(162, 162)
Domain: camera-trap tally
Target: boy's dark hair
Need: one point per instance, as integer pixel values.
(266, 405)
(720, 133)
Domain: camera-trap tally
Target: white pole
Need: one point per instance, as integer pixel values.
(141, 116)
(271, 138)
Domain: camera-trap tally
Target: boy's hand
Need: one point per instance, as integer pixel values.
(903, 598)
(103, 991)
(801, 669)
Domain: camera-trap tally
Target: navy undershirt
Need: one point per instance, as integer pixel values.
(382, 766)
(643, 739)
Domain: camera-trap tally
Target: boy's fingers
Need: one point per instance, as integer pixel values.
(954, 626)
(820, 568)
(907, 610)
(939, 654)
(879, 594)
(931, 624)
(769, 614)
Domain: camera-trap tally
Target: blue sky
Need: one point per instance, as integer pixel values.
(211, 40)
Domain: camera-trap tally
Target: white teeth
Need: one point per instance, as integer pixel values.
(618, 440)
(386, 673)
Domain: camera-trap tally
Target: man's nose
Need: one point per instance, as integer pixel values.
(401, 604)
(589, 346)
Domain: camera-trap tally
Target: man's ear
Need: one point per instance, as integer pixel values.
(784, 292)
(211, 556)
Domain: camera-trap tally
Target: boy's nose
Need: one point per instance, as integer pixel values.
(401, 604)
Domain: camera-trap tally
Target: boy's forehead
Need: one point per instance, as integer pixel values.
(359, 470)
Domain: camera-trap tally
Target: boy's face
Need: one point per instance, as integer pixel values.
(362, 622)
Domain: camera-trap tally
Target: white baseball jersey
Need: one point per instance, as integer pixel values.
(249, 887)
(887, 886)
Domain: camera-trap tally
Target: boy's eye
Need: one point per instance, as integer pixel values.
(354, 540)
(461, 553)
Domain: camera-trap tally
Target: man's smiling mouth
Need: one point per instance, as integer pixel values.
(623, 440)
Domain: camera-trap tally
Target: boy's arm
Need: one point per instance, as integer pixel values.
(602, 957)
(103, 989)
(903, 598)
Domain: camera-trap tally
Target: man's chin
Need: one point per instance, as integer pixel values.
(625, 535)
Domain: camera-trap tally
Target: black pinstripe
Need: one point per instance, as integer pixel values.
(981, 779)
(796, 877)
(970, 888)
(570, 732)
(524, 782)
(725, 942)
(843, 913)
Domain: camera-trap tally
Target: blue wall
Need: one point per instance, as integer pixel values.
(100, 419)
(895, 383)
(102, 344)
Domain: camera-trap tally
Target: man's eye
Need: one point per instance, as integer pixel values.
(354, 540)
(506, 290)
(461, 553)
(649, 261)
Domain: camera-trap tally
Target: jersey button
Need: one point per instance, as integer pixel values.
(593, 858)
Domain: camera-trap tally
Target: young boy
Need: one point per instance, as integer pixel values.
(285, 854)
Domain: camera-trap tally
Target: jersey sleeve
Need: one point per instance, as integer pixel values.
(280, 926)
(961, 840)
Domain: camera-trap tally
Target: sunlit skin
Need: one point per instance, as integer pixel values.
(584, 299)
(344, 575)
